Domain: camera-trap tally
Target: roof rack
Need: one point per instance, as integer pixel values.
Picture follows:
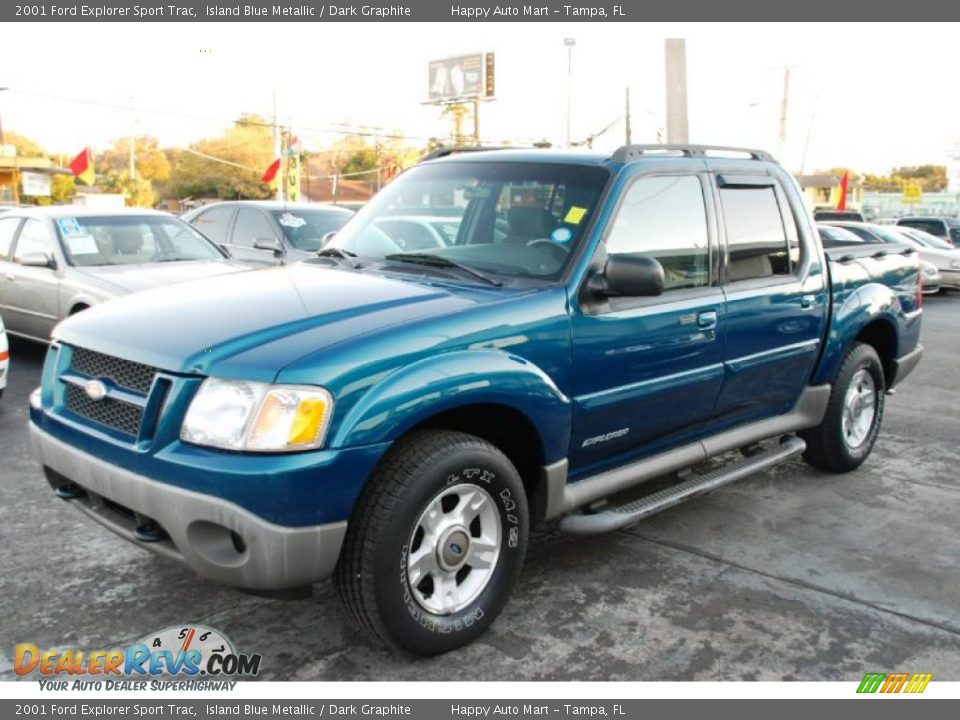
(457, 149)
(635, 152)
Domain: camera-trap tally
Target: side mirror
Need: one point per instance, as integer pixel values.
(628, 275)
(38, 259)
(325, 240)
(271, 244)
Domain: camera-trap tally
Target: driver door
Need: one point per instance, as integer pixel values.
(648, 370)
(32, 295)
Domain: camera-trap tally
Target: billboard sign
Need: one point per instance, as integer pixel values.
(35, 184)
(459, 78)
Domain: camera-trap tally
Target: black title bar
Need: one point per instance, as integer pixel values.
(858, 11)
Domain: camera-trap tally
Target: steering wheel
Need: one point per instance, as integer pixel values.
(562, 250)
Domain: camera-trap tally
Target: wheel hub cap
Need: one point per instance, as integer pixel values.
(859, 409)
(454, 548)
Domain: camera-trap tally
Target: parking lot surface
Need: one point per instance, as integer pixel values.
(793, 574)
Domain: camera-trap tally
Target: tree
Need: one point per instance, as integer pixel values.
(227, 167)
(932, 178)
(26, 147)
(150, 163)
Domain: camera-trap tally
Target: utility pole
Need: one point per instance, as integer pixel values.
(569, 43)
(277, 148)
(132, 170)
(783, 114)
(675, 55)
(627, 116)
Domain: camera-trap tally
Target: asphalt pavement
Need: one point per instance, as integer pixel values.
(793, 574)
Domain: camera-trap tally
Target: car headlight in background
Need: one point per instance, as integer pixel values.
(257, 417)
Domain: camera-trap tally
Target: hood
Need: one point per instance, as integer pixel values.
(146, 276)
(264, 316)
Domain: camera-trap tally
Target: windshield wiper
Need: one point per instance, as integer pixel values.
(441, 261)
(336, 253)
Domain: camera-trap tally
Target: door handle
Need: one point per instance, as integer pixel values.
(707, 319)
(806, 301)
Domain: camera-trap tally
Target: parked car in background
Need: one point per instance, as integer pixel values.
(942, 254)
(825, 214)
(932, 261)
(833, 236)
(268, 232)
(947, 229)
(420, 232)
(57, 261)
(4, 358)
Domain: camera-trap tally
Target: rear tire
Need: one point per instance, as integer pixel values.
(845, 437)
(436, 543)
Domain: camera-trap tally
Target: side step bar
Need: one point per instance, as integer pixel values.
(623, 515)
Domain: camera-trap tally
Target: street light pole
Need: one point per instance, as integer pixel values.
(569, 43)
(1, 119)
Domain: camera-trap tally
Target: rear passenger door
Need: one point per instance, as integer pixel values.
(647, 370)
(8, 229)
(776, 298)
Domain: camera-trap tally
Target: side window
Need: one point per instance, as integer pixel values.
(8, 226)
(665, 218)
(251, 225)
(756, 239)
(214, 223)
(34, 238)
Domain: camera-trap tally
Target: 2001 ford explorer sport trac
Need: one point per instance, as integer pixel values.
(398, 411)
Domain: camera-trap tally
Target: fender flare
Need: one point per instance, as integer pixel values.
(867, 304)
(457, 379)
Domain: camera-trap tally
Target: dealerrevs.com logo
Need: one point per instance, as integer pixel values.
(180, 651)
(888, 683)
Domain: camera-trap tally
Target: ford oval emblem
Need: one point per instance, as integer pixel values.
(95, 390)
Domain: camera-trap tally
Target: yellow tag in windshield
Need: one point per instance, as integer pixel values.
(575, 215)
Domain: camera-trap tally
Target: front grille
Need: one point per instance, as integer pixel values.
(122, 373)
(115, 414)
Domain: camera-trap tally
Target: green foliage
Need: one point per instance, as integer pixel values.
(932, 178)
(249, 143)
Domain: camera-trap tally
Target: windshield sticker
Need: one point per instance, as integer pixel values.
(291, 221)
(82, 245)
(561, 235)
(68, 226)
(575, 214)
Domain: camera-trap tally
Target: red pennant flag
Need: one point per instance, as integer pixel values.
(844, 183)
(82, 167)
(271, 171)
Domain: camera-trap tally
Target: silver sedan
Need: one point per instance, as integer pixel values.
(57, 261)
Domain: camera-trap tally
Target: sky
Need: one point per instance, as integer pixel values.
(861, 95)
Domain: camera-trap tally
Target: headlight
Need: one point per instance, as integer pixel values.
(955, 264)
(258, 417)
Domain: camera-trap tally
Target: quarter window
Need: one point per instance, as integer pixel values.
(664, 217)
(756, 239)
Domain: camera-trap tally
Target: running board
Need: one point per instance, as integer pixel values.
(623, 515)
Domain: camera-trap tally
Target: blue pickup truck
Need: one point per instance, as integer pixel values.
(499, 339)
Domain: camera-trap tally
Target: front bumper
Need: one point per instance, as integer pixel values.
(215, 537)
(950, 279)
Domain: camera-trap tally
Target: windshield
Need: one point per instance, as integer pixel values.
(306, 228)
(925, 238)
(832, 236)
(131, 239)
(893, 236)
(514, 219)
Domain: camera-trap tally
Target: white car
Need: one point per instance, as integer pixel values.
(4, 358)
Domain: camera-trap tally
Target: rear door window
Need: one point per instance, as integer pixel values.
(757, 242)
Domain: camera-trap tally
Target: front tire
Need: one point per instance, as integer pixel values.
(436, 543)
(845, 437)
